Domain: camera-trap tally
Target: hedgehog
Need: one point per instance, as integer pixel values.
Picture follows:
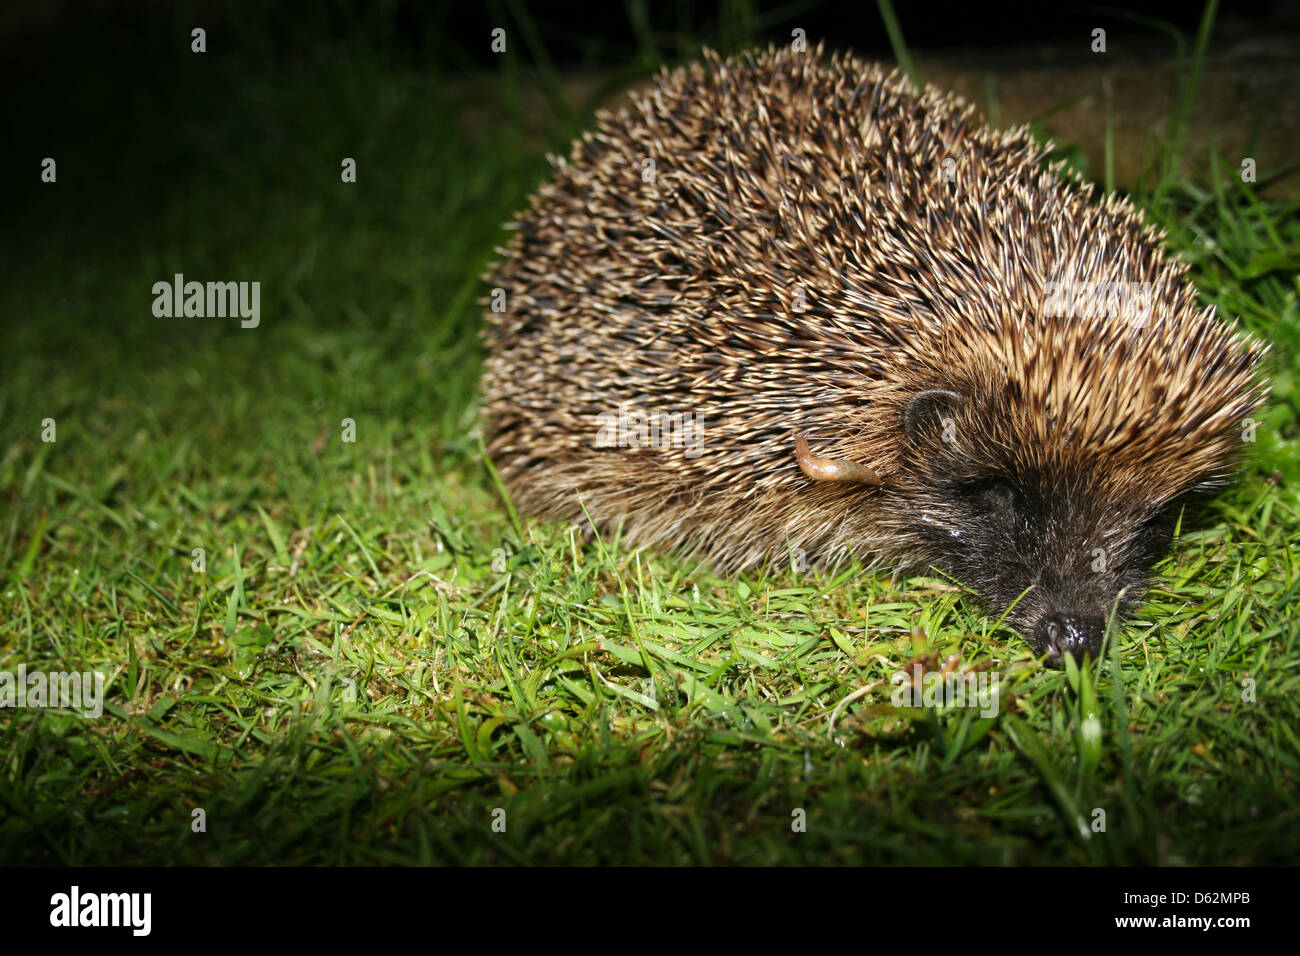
(787, 307)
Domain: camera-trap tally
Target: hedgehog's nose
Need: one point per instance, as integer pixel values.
(1073, 634)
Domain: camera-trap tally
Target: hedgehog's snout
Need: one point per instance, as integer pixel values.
(1074, 634)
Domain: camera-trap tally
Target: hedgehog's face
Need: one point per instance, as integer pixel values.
(1050, 547)
(1059, 560)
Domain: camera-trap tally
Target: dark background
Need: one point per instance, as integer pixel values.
(112, 83)
(62, 40)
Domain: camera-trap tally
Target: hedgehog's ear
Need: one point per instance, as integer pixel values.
(926, 408)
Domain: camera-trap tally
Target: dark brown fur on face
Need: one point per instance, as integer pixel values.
(823, 254)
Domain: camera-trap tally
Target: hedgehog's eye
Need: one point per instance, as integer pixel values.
(926, 409)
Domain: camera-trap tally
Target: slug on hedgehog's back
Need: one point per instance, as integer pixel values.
(863, 296)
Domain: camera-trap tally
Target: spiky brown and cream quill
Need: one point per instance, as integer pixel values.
(785, 246)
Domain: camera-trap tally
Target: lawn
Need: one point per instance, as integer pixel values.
(332, 643)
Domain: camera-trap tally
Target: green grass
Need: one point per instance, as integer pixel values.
(377, 658)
